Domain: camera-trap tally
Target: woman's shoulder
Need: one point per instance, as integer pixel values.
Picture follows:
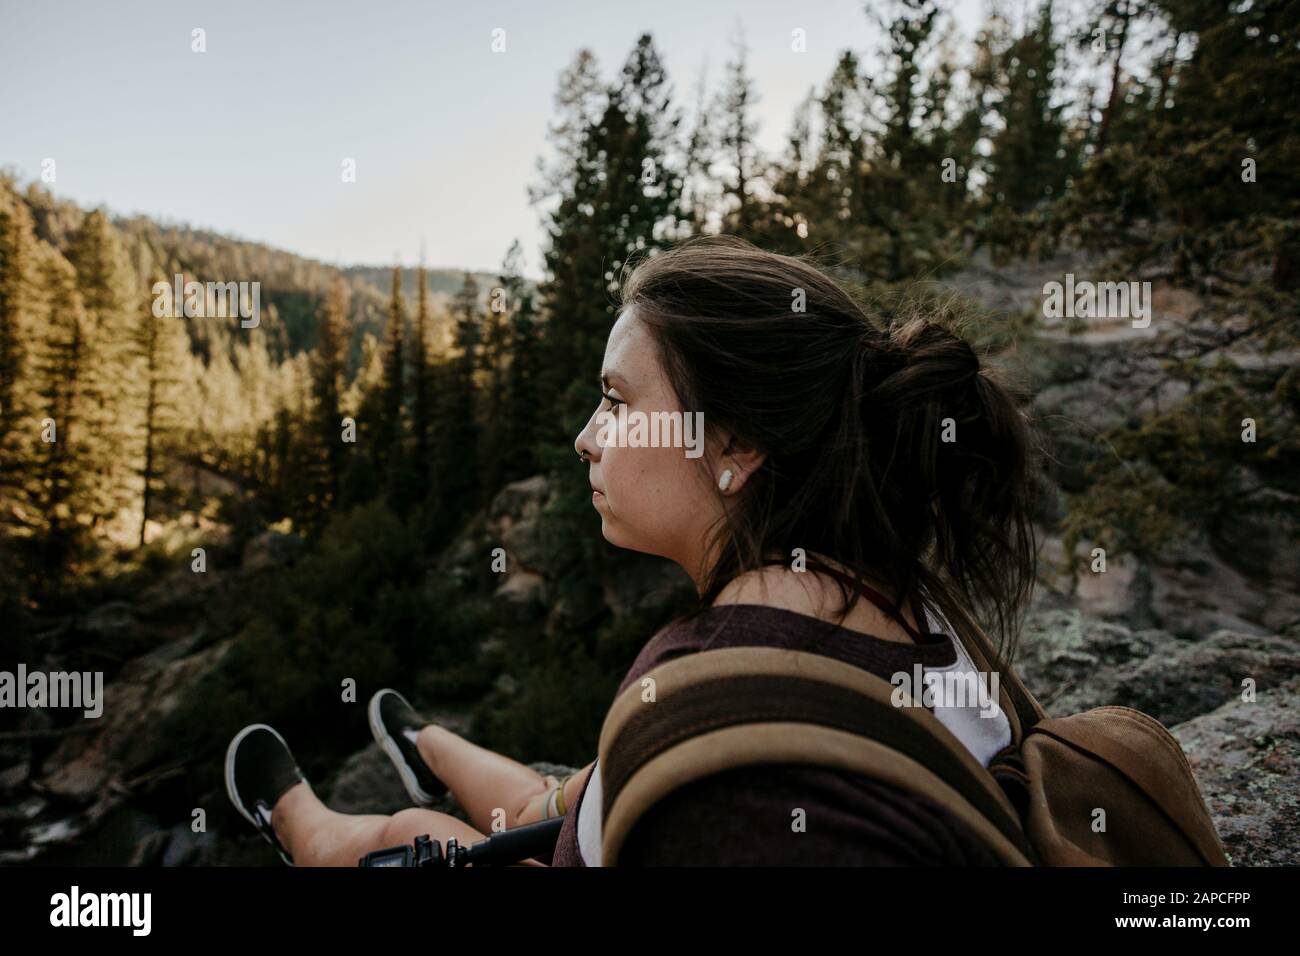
(720, 626)
(762, 625)
(679, 636)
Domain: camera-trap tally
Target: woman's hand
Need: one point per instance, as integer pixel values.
(535, 809)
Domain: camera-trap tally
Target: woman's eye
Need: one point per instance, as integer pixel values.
(611, 399)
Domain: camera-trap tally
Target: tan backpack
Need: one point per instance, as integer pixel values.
(1036, 804)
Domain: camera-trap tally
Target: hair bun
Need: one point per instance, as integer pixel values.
(929, 357)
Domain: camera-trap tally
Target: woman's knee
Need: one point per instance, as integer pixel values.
(405, 825)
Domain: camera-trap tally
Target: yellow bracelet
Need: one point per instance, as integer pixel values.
(560, 808)
(554, 805)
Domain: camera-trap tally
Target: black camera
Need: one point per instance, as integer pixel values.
(500, 849)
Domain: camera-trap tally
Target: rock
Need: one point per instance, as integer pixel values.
(113, 622)
(125, 740)
(468, 550)
(108, 635)
(181, 594)
(1118, 593)
(1258, 536)
(12, 778)
(1070, 416)
(1194, 592)
(21, 812)
(1201, 676)
(149, 851)
(1246, 757)
(1190, 591)
(512, 520)
(523, 589)
(1073, 663)
(187, 848)
(1050, 363)
(367, 783)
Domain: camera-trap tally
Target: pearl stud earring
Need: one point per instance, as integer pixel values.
(724, 482)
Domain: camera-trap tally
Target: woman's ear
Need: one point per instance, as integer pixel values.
(741, 460)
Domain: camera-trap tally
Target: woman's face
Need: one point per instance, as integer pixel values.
(650, 499)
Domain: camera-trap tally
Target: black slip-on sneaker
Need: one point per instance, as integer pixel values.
(395, 725)
(259, 769)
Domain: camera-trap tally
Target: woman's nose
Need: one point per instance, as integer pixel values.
(586, 440)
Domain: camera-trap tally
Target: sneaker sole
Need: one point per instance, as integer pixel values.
(233, 794)
(385, 740)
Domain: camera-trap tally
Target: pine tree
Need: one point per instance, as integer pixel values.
(1109, 27)
(493, 365)
(821, 199)
(523, 409)
(161, 346)
(327, 371)
(106, 367)
(698, 189)
(736, 140)
(65, 473)
(422, 406)
(457, 484)
(1209, 188)
(625, 200)
(511, 412)
(19, 304)
(579, 101)
(896, 189)
(1029, 163)
(389, 431)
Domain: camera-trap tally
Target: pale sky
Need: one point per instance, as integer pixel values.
(248, 138)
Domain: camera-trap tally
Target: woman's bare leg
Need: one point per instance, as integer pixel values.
(496, 793)
(490, 787)
(315, 835)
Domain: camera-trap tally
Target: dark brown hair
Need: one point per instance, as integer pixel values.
(850, 412)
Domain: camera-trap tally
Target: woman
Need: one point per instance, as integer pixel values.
(841, 460)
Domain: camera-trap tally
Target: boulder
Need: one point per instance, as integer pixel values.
(1246, 757)
(125, 740)
(1195, 592)
(1258, 536)
(1073, 663)
(512, 520)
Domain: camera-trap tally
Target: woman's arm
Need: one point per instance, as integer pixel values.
(534, 809)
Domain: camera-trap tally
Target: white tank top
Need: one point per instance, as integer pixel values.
(983, 736)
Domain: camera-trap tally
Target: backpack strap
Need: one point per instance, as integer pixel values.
(1022, 708)
(710, 711)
